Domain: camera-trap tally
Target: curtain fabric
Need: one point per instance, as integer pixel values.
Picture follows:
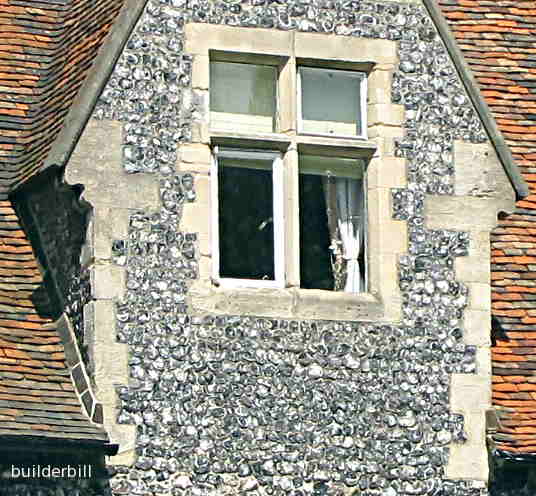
(345, 212)
(350, 223)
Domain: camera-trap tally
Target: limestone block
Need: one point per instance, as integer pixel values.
(386, 114)
(292, 218)
(286, 111)
(476, 327)
(385, 235)
(480, 173)
(475, 267)
(384, 138)
(451, 212)
(201, 298)
(200, 132)
(201, 72)
(200, 37)
(122, 434)
(479, 296)
(111, 368)
(388, 288)
(470, 396)
(196, 217)
(204, 265)
(483, 362)
(298, 303)
(264, 302)
(200, 102)
(349, 48)
(470, 393)
(270, 302)
(379, 87)
(393, 308)
(99, 168)
(107, 281)
(97, 164)
(318, 304)
(110, 358)
(108, 224)
(468, 461)
(386, 172)
(196, 154)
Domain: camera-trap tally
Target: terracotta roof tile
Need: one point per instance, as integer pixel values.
(36, 393)
(46, 51)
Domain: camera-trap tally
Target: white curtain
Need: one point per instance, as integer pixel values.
(350, 223)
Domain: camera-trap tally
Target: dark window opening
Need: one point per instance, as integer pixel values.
(315, 259)
(246, 227)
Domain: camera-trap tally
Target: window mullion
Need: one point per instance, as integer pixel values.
(292, 219)
(286, 95)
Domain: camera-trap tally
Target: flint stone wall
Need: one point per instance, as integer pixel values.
(245, 405)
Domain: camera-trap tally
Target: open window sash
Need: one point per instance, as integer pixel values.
(223, 266)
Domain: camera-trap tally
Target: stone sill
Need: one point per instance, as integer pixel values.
(288, 303)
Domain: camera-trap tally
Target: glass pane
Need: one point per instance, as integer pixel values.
(246, 219)
(331, 102)
(242, 97)
(332, 224)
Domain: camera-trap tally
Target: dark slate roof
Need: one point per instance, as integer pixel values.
(498, 42)
(37, 397)
(46, 50)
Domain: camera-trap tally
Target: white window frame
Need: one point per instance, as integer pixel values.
(278, 217)
(259, 63)
(362, 76)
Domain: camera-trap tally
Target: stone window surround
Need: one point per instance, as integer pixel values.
(387, 238)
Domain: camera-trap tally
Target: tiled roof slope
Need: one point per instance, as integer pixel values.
(37, 397)
(46, 50)
(498, 41)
